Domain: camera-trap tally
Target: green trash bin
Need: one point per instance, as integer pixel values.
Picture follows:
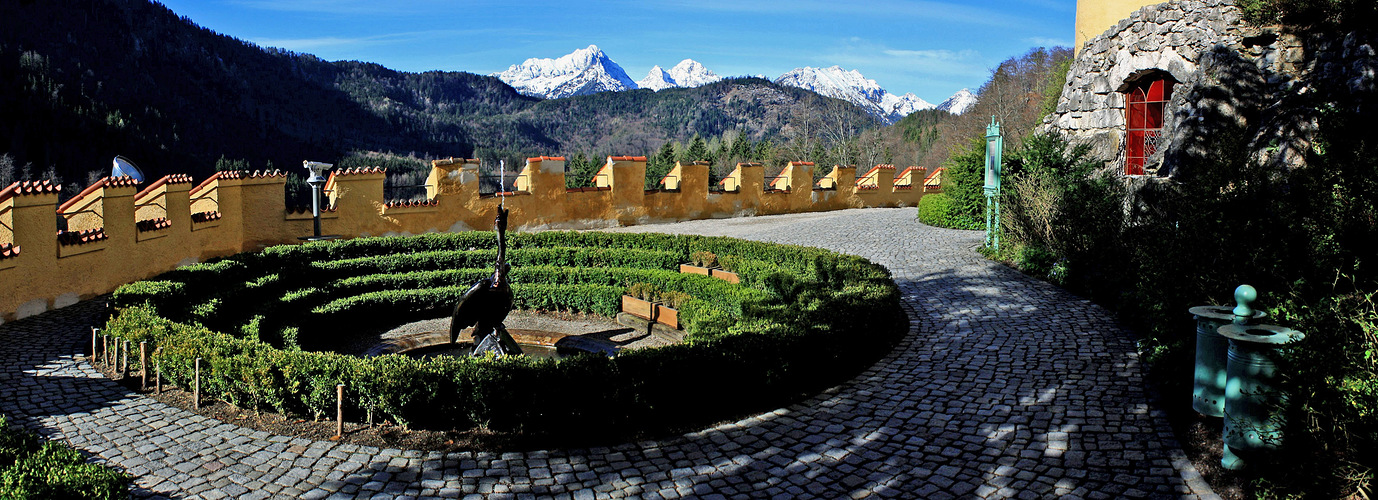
(1208, 389)
(1253, 425)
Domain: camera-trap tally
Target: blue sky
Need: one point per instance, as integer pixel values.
(930, 48)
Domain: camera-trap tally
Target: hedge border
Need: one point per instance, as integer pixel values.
(750, 345)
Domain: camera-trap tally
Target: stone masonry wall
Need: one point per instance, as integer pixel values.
(1260, 85)
(1169, 37)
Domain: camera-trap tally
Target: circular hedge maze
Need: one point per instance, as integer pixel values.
(264, 325)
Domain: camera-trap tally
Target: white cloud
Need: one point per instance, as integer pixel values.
(924, 10)
(332, 42)
(392, 8)
(1048, 42)
(874, 58)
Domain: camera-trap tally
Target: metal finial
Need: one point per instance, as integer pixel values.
(1243, 296)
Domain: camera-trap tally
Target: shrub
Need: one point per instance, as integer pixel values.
(643, 291)
(244, 316)
(1302, 236)
(938, 210)
(31, 468)
(703, 258)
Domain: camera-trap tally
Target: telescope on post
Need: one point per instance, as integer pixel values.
(317, 181)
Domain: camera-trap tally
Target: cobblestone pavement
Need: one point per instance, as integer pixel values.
(1004, 387)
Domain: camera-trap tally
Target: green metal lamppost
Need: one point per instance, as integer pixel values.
(994, 144)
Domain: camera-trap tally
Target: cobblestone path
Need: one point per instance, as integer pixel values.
(1005, 387)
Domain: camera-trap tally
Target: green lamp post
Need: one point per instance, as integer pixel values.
(994, 144)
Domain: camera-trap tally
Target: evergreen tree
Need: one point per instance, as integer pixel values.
(580, 169)
(659, 165)
(697, 151)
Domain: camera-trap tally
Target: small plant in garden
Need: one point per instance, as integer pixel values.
(703, 258)
(643, 291)
(728, 263)
(673, 299)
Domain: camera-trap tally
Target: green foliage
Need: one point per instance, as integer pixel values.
(697, 151)
(1301, 236)
(245, 315)
(939, 210)
(643, 291)
(31, 468)
(964, 182)
(660, 164)
(580, 170)
(1311, 14)
(1057, 210)
(703, 258)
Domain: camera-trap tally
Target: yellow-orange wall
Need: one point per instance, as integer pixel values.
(1096, 16)
(46, 275)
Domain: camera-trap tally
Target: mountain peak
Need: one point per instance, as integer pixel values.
(852, 86)
(688, 73)
(584, 71)
(656, 79)
(959, 103)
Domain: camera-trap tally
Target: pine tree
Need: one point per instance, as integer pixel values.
(697, 150)
(660, 165)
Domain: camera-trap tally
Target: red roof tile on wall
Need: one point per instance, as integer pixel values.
(306, 209)
(535, 159)
(360, 171)
(627, 158)
(8, 250)
(68, 238)
(25, 188)
(412, 203)
(205, 216)
(166, 179)
(245, 174)
(153, 224)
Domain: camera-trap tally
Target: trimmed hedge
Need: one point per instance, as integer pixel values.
(748, 345)
(940, 210)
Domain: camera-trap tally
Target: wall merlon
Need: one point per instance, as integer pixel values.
(173, 220)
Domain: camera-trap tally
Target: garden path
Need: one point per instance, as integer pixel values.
(1004, 386)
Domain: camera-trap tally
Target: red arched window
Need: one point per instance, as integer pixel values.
(1144, 104)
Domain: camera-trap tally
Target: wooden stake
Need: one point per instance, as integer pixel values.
(158, 377)
(124, 359)
(95, 335)
(143, 366)
(339, 411)
(196, 387)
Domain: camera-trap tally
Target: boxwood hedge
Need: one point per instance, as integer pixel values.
(801, 319)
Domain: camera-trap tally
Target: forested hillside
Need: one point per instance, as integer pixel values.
(82, 81)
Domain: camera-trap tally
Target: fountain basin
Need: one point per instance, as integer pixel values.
(535, 343)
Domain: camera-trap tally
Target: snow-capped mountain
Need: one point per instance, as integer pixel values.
(688, 73)
(584, 71)
(959, 103)
(657, 79)
(851, 86)
(589, 70)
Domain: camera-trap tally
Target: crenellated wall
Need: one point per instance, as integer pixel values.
(117, 233)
